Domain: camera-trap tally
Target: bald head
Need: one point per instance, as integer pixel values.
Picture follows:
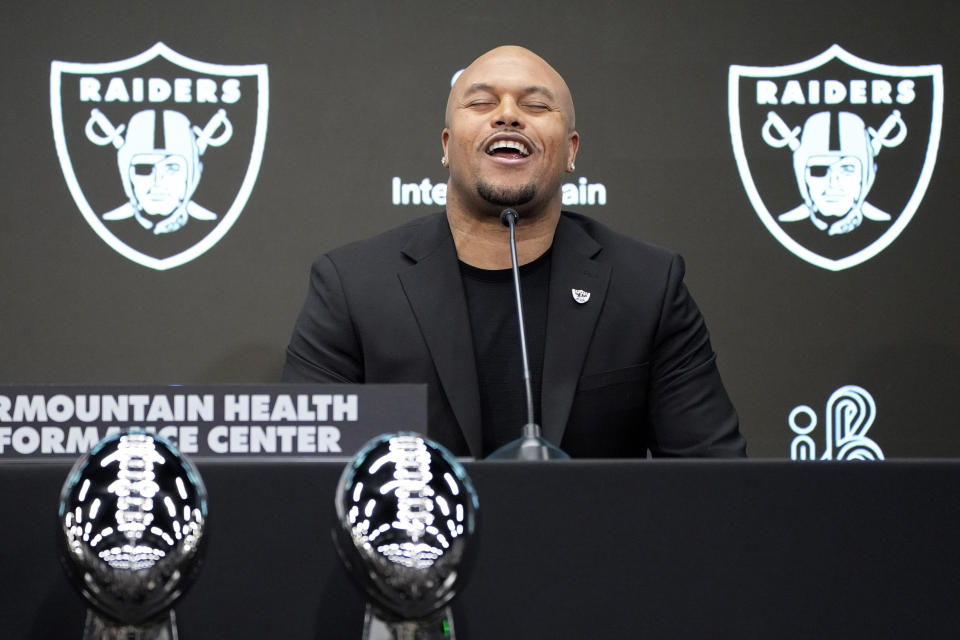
(511, 61)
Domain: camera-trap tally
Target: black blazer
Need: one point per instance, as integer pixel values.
(629, 370)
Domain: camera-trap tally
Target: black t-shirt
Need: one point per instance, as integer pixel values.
(496, 344)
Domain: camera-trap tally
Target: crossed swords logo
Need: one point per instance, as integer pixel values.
(193, 141)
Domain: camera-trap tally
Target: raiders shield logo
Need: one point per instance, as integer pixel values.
(159, 151)
(580, 296)
(836, 152)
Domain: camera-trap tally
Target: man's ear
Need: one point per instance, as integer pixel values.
(574, 146)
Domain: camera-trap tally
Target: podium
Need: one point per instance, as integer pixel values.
(576, 549)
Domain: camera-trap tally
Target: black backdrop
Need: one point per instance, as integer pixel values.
(356, 95)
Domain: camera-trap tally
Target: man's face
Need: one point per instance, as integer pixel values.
(159, 182)
(834, 183)
(509, 135)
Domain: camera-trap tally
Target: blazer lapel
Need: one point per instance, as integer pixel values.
(570, 323)
(435, 292)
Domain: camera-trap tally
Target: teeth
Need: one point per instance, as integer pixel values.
(509, 144)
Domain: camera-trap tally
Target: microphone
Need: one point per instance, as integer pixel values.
(531, 445)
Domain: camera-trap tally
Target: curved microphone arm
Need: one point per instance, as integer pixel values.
(531, 445)
(509, 218)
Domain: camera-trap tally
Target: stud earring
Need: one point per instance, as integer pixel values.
(443, 160)
(572, 167)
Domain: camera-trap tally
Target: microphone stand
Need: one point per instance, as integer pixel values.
(531, 445)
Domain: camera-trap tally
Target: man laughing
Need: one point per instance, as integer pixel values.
(620, 357)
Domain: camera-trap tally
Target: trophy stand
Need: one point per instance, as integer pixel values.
(163, 627)
(439, 626)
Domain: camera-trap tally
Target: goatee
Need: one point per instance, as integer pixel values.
(503, 197)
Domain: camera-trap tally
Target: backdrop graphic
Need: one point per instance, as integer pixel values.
(331, 132)
(835, 153)
(158, 152)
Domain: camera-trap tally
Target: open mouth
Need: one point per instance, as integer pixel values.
(508, 148)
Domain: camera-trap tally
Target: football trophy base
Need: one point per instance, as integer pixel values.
(439, 626)
(163, 627)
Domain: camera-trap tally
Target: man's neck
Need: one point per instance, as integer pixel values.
(484, 242)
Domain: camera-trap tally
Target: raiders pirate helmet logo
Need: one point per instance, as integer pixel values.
(835, 153)
(160, 152)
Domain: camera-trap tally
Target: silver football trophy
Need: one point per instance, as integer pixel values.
(131, 531)
(406, 514)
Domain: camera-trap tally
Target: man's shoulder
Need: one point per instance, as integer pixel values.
(387, 247)
(615, 245)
